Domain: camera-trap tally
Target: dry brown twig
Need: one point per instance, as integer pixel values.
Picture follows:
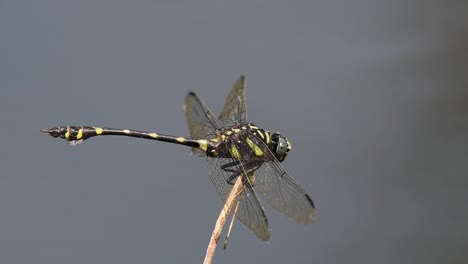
(232, 198)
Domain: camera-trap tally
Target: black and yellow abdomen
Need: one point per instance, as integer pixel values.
(76, 134)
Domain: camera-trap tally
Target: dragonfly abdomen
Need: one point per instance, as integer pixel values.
(76, 134)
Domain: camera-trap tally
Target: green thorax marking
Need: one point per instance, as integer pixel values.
(220, 146)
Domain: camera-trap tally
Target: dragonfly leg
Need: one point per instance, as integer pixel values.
(248, 169)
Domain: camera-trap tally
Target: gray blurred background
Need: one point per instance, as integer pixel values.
(372, 94)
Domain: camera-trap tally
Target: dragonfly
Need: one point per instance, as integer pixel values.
(233, 148)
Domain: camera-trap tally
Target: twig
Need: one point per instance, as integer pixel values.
(236, 190)
(232, 223)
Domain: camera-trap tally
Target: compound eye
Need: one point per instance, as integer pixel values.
(281, 147)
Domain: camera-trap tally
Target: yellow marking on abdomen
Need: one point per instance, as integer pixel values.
(236, 130)
(229, 132)
(267, 134)
(244, 127)
(257, 150)
(98, 130)
(153, 135)
(203, 144)
(234, 152)
(180, 139)
(67, 135)
(126, 131)
(253, 127)
(79, 135)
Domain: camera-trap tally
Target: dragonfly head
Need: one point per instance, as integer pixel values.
(281, 146)
(59, 131)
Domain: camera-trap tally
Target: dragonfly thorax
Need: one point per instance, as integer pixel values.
(243, 140)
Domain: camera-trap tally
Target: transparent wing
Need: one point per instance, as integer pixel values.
(235, 108)
(250, 212)
(279, 189)
(201, 121)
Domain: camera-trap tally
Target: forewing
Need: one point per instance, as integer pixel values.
(235, 108)
(201, 121)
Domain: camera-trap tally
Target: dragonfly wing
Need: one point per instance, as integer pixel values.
(201, 121)
(279, 189)
(235, 108)
(223, 173)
